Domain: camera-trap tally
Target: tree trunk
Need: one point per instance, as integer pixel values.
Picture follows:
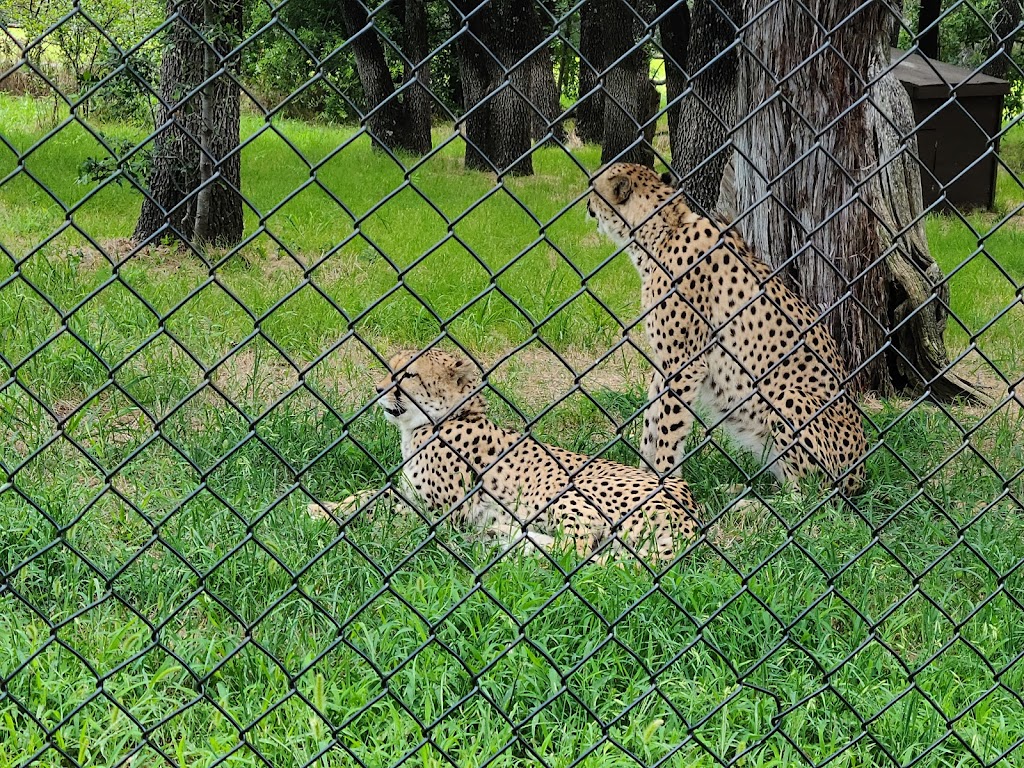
(511, 117)
(916, 293)
(475, 77)
(674, 26)
(802, 174)
(593, 59)
(419, 103)
(700, 143)
(170, 207)
(385, 116)
(545, 97)
(204, 197)
(626, 86)
(496, 81)
(828, 218)
(1005, 30)
(928, 28)
(898, 12)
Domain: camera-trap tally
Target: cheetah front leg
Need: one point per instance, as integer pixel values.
(674, 416)
(652, 418)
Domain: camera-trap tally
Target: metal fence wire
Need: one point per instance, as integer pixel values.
(206, 553)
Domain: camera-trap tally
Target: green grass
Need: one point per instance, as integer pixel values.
(144, 548)
(983, 258)
(432, 249)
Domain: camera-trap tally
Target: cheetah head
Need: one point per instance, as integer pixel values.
(427, 388)
(626, 196)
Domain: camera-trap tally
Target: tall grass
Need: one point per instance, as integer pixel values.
(164, 595)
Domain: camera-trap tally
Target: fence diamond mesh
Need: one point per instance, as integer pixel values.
(223, 218)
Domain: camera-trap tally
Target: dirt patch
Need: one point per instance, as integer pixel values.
(347, 376)
(662, 143)
(342, 268)
(166, 258)
(973, 369)
(978, 371)
(536, 375)
(260, 377)
(158, 259)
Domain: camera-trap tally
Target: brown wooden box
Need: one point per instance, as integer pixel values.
(959, 116)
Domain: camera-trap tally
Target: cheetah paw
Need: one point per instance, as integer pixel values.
(330, 510)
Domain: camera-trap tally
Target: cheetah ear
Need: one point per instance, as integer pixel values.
(465, 376)
(621, 189)
(668, 179)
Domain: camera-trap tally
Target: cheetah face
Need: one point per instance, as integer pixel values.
(625, 196)
(424, 388)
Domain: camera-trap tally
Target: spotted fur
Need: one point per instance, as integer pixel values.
(729, 335)
(448, 445)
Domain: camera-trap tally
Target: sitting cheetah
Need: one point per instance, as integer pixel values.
(729, 335)
(449, 446)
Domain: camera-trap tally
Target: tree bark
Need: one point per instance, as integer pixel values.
(495, 74)
(204, 197)
(545, 94)
(832, 186)
(916, 294)
(475, 77)
(708, 111)
(674, 26)
(802, 174)
(928, 29)
(417, 99)
(589, 108)
(386, 118)
(545, 97)
(170, 207)
(898, 10)
(626, 85)
(1005, 31)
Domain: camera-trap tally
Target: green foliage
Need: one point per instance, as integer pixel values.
(76, 41)
(965, 35)
(278, 66)
(98, 168)
(305, 39)
(296, 64)
(965, 39)
(117, 85)
(445, 82)
(1013, 103)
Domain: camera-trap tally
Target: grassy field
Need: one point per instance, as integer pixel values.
(159, 544)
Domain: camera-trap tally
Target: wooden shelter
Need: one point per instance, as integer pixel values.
(959, 115)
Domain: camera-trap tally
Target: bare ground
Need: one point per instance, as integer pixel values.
(346, 376)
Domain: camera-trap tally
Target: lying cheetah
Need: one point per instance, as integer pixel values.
(448, 446)
(728, 335)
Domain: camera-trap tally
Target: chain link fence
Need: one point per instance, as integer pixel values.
(220, 221)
